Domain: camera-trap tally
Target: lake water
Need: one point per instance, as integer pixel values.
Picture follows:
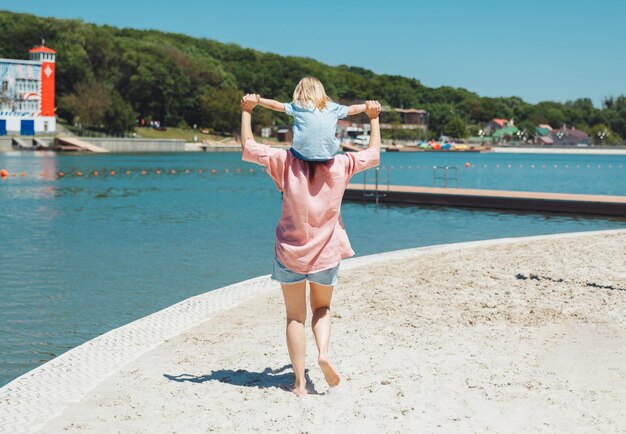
(81, 255)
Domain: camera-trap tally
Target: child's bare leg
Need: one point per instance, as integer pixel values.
(295, 305)
(321, 296)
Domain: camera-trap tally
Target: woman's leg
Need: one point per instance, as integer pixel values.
(295, 305)
(321, 296)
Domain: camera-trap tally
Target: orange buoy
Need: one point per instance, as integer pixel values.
(225, 170)
(4, 173)
(467, 165)
(79, 173)
(96, 173)
(128, 172)
(143, 172)
(112, 173)
(61, 174)
(199, 170)
(213, 171)
(158, 172)
(23, 174)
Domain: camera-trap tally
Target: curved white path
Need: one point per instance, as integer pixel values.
(33, 399)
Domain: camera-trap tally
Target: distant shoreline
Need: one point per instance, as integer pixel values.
(143, 145)
(575, 151)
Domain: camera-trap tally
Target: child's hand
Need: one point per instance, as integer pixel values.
(372, 109)
(249, 102)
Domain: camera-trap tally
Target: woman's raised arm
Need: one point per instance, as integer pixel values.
(248, 102)
(372, 109)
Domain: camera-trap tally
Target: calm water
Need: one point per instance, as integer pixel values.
(82, 255)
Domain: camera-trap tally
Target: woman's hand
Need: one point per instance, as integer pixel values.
(249, 102)
(372, 109)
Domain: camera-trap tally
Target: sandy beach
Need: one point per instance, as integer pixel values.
(519, 336)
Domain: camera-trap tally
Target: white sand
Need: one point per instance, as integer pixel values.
(452, 341)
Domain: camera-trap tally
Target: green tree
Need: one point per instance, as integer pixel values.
(602, 135)
(88, 104)
(119, 117)
(220, 109)
(455, 127)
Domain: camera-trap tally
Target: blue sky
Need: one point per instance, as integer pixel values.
(538, 50)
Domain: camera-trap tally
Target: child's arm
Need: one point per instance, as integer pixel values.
(356, 109)
(271, 104)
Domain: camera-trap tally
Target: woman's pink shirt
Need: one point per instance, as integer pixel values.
(310, 235)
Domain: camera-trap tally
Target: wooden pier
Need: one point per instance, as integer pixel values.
(491, 199)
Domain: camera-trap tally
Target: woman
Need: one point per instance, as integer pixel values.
(310, 237)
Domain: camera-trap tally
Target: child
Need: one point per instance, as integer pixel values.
(315, 120)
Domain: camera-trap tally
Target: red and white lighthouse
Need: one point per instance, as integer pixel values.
(27, 93)
(47, 58)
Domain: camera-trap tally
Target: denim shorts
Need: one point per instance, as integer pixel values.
(282, 274)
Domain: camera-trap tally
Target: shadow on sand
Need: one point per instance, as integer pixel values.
(267, 378)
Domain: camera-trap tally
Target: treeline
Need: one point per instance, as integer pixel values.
(107, 77)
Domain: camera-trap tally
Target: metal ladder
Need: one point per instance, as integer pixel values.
(376, 193)
(445, 175)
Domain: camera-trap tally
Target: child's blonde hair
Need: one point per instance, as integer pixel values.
(310, 93)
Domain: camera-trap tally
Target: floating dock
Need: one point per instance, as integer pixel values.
(491, 199)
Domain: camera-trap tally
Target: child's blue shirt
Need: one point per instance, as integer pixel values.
(314, 130)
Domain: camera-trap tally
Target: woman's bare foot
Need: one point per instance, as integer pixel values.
(299, 390)
(332, 377)
(296, 390)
